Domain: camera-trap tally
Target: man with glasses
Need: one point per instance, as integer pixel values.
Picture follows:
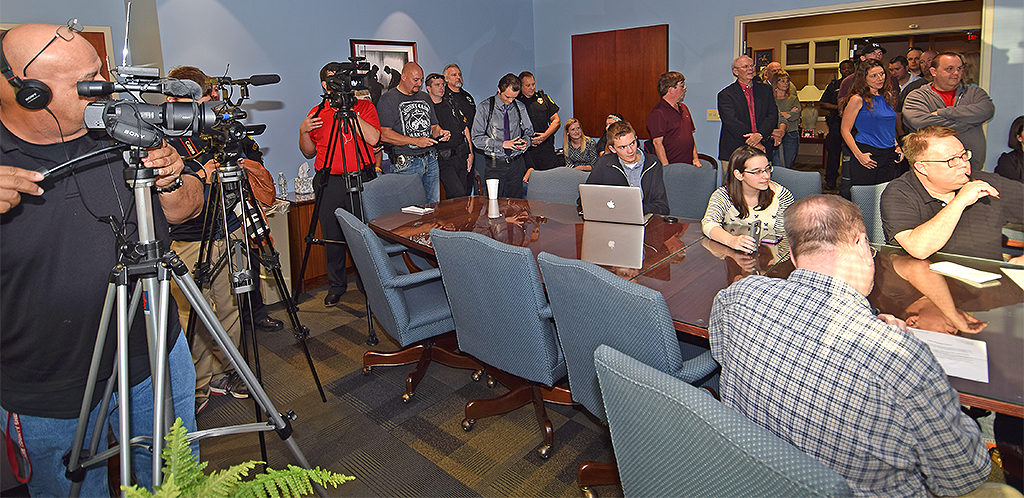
(949, 102)
(807, 358)
(629, 166)
(670, 123)
(57, 253)
(748, 112)
(502, 131)
(940, 205)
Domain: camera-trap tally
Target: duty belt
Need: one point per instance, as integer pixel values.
(402, 158)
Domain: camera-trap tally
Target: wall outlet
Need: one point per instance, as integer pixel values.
(713, 115)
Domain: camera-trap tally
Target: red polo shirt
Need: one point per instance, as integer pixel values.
(321, 136)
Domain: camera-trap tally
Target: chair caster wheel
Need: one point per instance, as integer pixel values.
(490, 381)
(477, 375)
(372, 340)
(588, 493)
(467, 424)
(366, 370)
(406, 397)
(544, 451)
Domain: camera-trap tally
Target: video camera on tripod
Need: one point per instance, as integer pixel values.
(347, 78)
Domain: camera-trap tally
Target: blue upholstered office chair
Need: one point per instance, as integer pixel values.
(672, 439)
(556, 185)
(385, 194)
(867, 198)
(800, 183)
(502, 318)
(412, 308)
(689, 188)
(592, 306)
(707, 161)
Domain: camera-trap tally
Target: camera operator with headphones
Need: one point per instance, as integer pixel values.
(59, 240)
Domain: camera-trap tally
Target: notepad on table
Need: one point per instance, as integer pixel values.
(417, 210)
(963, 273)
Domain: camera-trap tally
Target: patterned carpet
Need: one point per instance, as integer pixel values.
(394, 448)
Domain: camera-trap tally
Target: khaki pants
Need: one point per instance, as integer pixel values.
(209, 360)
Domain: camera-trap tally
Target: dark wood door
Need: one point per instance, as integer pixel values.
(617, 71)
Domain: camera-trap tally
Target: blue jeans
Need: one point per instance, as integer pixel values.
(788, 149)
(426, 167)
(48, 439)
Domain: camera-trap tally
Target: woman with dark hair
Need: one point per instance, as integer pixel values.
(748, 196)
(1011, 164)
(871, 108)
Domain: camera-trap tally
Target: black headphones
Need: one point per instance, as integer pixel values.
(30, 94)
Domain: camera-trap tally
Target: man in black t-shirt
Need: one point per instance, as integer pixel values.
(57, 250)
(454, 157)
(833, 141)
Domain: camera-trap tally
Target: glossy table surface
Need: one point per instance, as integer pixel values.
(690, 269)
(906, 288)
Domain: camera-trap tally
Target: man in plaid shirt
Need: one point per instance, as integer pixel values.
(807, 359)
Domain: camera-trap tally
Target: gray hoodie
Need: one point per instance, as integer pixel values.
(971, 107)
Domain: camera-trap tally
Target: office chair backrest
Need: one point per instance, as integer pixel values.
(501, 314)
(673, 439)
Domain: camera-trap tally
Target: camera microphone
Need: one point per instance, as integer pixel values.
(254, 80)
(172, 88)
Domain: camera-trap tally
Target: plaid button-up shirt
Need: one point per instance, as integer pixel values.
(807, 359)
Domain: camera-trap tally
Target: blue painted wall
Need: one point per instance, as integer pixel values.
(92, 13)
(701, 47)
(295, 39)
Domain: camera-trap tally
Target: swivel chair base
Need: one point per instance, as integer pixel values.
(442, 349)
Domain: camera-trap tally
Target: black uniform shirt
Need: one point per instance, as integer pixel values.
(540, 107)
(450, 119)
(464, 101)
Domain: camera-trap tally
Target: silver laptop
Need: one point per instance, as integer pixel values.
(613, 244)
(614, 204)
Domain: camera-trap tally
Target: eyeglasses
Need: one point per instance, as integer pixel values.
(951, 162)
(72, 27)
(767, 169)
(874, 251)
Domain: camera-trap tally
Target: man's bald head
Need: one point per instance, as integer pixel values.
(412, 78)
(66, 61)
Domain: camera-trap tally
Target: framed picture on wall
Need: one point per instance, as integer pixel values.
(388, 56)
(762, 58)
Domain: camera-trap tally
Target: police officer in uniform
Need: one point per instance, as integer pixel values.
(465, 107)
(454, 157)
(544, 116)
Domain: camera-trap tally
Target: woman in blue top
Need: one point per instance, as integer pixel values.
(870, 108)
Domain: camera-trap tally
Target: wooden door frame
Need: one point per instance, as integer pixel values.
(987, 21)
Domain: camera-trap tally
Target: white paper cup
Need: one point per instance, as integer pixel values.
(492, 208)
(492, 188)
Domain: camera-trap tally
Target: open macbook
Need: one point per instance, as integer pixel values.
(613, 244)
(613, 204)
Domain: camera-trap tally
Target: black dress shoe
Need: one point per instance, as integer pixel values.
(332, 297)
(269, 324)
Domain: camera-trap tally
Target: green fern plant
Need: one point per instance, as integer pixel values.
(183, 476)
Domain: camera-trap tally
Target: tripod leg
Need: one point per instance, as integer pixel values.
(283, 428)
(75, 472)
(123, 406)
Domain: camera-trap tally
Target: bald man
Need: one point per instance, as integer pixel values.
(57, 253)
(409, 128)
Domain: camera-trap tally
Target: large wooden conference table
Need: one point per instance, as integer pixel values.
(689, 270)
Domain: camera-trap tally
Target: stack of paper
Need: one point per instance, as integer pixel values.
(417, 210)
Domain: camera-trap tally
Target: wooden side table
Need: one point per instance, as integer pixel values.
(299, 215)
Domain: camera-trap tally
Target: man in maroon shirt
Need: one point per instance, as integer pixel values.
(670, 123)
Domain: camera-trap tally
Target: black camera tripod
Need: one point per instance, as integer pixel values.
(345, 122)
(150, 268)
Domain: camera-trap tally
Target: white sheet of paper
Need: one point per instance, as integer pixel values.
(962, 272)
(958, 356)
(1016, 275)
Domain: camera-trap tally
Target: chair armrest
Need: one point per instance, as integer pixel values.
(697, 368)
(393, 249)
(413, 278)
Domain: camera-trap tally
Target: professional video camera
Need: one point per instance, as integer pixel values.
(348, 77)
(131, 121)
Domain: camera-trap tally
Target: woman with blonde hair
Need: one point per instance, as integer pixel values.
(789, 113)
(580, 150)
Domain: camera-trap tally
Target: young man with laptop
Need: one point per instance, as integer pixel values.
(630, 167)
